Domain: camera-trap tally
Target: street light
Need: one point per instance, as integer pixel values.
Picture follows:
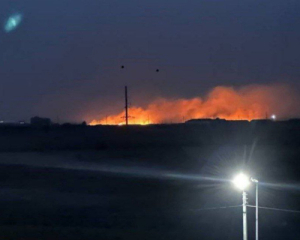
(241, 181)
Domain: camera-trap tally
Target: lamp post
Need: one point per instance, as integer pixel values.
(241, 181)
(256, 207)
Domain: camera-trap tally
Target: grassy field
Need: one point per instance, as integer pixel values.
(147, 182)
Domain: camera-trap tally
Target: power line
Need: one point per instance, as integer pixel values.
(277, 209)
(216, 208)
(235, 206)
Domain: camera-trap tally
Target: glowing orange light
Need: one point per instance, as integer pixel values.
(248, 103)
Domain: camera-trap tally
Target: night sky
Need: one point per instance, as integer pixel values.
(64, 59)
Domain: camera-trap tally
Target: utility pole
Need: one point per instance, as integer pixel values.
(245, 231)
(256, 213)
(256, 207)
(126, 106)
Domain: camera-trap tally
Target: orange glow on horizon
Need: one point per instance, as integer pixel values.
(248, 103)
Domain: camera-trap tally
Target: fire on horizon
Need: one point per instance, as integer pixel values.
(247, 103)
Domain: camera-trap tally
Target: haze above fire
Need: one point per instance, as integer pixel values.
(247, 103)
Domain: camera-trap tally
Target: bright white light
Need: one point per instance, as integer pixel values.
(273, 117)
(241, 181)
(254, 180)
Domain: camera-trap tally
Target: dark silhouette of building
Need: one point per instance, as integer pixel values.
(38, 121)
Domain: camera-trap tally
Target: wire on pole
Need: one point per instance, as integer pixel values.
(235, 206)
(277, 209)
(216, 208)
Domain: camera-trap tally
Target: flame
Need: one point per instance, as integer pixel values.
(247, 103)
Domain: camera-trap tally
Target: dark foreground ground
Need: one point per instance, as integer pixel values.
(151, 191)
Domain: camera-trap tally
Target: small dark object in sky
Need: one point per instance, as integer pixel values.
(122, 66)
(157, 70)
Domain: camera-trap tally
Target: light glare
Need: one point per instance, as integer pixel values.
(241, 181)
(273, 117)
(13, 22)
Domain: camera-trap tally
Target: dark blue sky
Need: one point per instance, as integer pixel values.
(64, 58)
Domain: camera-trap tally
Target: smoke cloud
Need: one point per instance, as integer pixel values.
(246, 103)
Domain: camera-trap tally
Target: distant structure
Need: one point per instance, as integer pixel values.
(126, 101)
(126, 106)
(200, 121)
(207, 121)
(40, 122)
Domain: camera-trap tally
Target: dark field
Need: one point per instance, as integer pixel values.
(80, 182)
